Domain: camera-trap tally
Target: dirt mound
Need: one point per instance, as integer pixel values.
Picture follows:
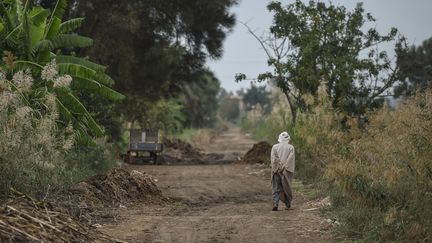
(259, 153)
(69, 215)
(177, 150)
(117, 186)
(23, 219)
(114, 189)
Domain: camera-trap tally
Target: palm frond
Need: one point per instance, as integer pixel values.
(38, 15)
(64, 112)
(71, 25)
(55, 20)
(26, 32)
(43, 45)
(59, 9)
(86, 84)
(80, 61)
(75, 70)
(92, 124)
(13, 36)
(36, 33)
(83, 138)
(5, 16)
(94, 81)
(104, 79)
(53, 28)
(44, 56)
(94, 87)
(17, 9)
(70, 40)
(71, 102)
(23, 65)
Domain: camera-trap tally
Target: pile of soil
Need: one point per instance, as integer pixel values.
(177, 150)
(117, 188)
(23, 219)
(69, 216)
(259, 153)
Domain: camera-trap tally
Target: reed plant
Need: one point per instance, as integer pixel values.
(38, 151)
(379, 175)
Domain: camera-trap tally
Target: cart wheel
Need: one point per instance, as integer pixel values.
(154, 157)
(161, 159)
(128, 158)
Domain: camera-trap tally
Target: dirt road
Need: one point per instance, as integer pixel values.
(219, 203)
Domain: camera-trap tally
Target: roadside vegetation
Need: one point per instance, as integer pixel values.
(378, 177)
(76, 75)
(43, 120)
(71, 85)
(370, 156)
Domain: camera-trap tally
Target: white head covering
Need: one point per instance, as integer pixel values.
(284, 137)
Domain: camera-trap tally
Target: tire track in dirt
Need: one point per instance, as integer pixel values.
(218, 203)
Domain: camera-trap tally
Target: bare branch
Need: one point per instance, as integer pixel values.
(258, 39)
(387, 84)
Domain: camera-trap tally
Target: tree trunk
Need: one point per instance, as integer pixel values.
(292, 108)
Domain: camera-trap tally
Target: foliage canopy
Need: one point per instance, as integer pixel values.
(416, 69)
(318, 42)
(155, 49)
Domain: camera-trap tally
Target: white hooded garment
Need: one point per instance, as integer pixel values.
(283, 157)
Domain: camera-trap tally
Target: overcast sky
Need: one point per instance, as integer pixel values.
(243, 54)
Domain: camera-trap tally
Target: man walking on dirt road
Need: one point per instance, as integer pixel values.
(283, 164)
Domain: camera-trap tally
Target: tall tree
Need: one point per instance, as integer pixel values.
(229, 107)
(199, 99)
(319, 42)
(155, 47)
(416, 69)
(157, 50)
(257, 95)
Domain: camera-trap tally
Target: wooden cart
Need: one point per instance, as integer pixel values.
(144, 145)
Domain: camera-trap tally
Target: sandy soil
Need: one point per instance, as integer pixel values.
(219, 203)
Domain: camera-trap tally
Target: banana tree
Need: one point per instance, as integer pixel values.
(34, 37)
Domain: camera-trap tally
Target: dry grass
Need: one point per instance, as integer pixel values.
(380, 177)
(30, 145)
(36, 154)
(388, 169)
